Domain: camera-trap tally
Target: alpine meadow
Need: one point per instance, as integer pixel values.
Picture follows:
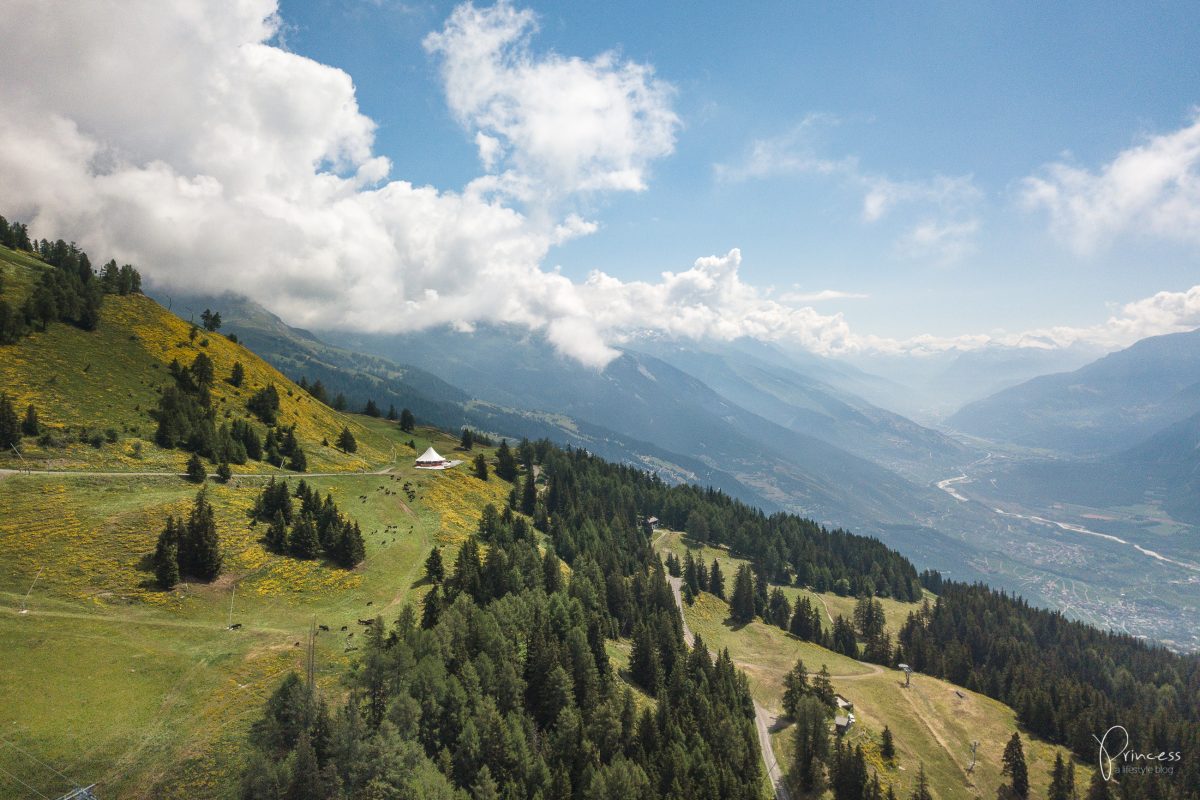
(530, 400)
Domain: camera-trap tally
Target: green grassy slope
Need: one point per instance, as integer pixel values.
(109, 378)
(111, 680)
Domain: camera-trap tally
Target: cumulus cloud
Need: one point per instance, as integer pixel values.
(178, 137)
(550, 123)
(1152, 188)
(947, 227)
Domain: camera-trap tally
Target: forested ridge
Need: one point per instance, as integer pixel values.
(1068, 681)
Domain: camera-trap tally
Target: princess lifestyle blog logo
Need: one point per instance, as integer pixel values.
(1117, 757)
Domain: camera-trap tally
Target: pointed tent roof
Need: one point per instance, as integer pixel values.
(430, 456)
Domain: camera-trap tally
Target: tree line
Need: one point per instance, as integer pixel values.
(70, 292)
(317, 527)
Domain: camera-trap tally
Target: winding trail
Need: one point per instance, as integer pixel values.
(762, 721)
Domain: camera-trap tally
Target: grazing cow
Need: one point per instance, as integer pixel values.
(237, 626)
(345, 626)
(324, 628)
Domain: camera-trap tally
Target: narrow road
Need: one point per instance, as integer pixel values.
(68, 473)
(762, 721)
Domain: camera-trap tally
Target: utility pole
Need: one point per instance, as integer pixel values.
(231, 597)
(974, 748)
(25, 600)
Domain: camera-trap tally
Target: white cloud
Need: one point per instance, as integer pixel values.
(175, 136)
(557, 125)
(948, 225)
(1151, 189)
(797, 296)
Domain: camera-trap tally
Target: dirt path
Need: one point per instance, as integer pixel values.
(135, 620)
(763, 723)
(5, 473)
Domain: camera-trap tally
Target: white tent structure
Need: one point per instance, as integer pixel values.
(431, 459)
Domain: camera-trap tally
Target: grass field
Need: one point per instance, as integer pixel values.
(107, 381)
(110, 680)
(933, 722)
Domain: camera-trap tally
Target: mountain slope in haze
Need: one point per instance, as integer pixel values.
(647, 399)
(773, 389)
(360, 377)
(1104, 407)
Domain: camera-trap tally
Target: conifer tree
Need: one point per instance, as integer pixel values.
(644, 664)
(392, 416)
(506, 465)
(810, 745)
(346, 441)
(303, 541)
(29, 425)
(795, 688)
(10, 427)
(407, 421)
(349, 550)
(224, 473)
(822, 687)
(238, 374)
(199, 545)
(779, 611)
(298, 461)
(166, 556)
(371, 410)
(432, 607)
(716, 580)
(1015, 769)
(921, 790)
(435, 570)
(529, 495)
(481, 467)
(1098, 788)
(195, 469)
(741, 604)
(277, 532)
(887, 747)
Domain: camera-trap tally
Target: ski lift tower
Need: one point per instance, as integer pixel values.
(907, 674)
(84, 793)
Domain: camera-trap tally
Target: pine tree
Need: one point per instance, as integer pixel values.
(349, 550)
(166, 556)
(435, 570)
(224, 473)
(779, 611)
(921, 790)
(529, 495)
(506, 465)
(822, 687)
(29, 425)
(199, 545)
(644, 665)
(392, 416)
(741, 604)
(432, 607)
(468, 439)
(407, 421)
(795, 688)
(716, 580)
(810, 745)
(303, 541)
(371, 410)
(1015, 769)
(346, 441)
(1058, 780)
(277, 534)
(10, 427)
(195, 469)
(298, 461)
(1098, 788)
(481, 467)
(887, 747)
(238, 374)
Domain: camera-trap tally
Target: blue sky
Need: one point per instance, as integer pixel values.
(983, 92)
(851, 179)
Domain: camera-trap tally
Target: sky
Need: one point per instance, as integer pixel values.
(845, 177)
